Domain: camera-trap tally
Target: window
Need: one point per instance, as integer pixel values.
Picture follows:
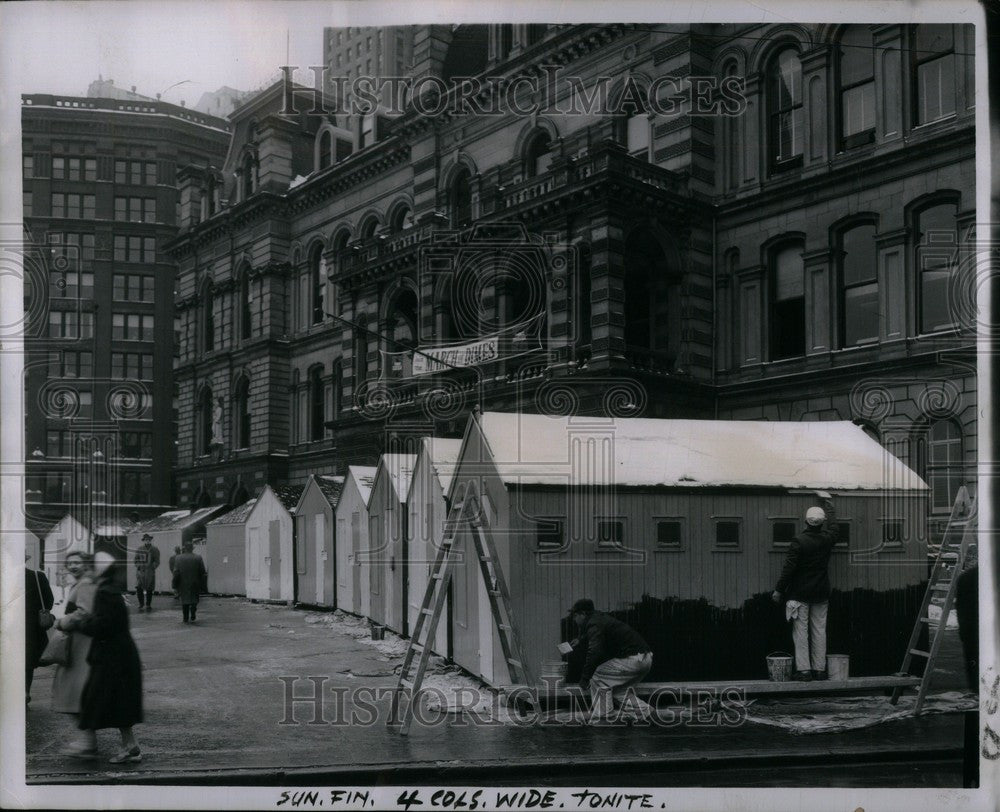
(131, 327)
(204, 422)
(610, 533)
(785, 109)
(337, 389)
(208, 316)
(652, 297)
(360, 356)
(783, 532)
(135, 487)
(28, 166)
(367, 131)
(317, 404)
(68, 364)
(317, 283)
(121, 208)
(120, 171)
(136, 445)
(550, 534)
(401, 327)
(86, 325)
(58, 204)
(505, 40)
(89, 207)
(788, 303)
(132, 288)
(669, 534)
(66, 324)
(727, 534)
(149, 210)
(538, 156)
(460, 198)
(859, 308)
(857, 87)
(73, 167)
(27, 204)
(246, 299)
(149, 249)
(843, 534)
(58, 444)
(132, 365)
(241, 416)
(86, 400)
(151, 173)
(943, 463)
(90, 169)
(633, 124)
(936, 259)
(934, 72)
(58, 168)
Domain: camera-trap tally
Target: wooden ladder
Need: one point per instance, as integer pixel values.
(959, 536)
(418, 652)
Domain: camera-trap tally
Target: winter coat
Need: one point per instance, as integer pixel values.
(805, 577)
(189, 577)
(37, 596)
(146, 562)
(69, 680)
(607, 638)
(112, 696)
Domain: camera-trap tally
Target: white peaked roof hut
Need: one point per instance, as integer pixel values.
(353, 570)
(387, 538)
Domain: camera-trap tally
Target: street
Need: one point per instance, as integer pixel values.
(214, 707)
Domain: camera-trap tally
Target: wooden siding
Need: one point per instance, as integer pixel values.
(269, 554)
(386, 519)
(225, 559)
(316, 543)
(353, 566)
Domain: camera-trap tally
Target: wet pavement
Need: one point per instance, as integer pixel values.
(216, 711)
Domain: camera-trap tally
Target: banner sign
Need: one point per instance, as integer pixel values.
(467, 355)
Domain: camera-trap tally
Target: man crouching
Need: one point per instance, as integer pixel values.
(617, 659)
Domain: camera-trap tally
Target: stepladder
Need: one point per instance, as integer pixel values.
(464, 517)
(956, 549)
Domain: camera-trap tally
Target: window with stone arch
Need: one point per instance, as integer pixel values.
(401, 328)
(538, 154)
(317, 403)
(203, 422)
(935, 236)
(941, 461)
(460, 198)
(856, 79)
(857, 283)
(245, 294)
(402, 218)
(337, 390)
(652, 296)
(633, 128)
(207, 316)
(317, 283)
(784, 106)
(787, 301)
(241, 414)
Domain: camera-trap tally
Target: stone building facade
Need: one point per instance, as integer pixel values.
(762, 221)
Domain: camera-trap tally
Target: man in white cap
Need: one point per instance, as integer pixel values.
(805, 586)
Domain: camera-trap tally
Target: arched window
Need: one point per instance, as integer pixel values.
(784, 102)
(317, 404)
(858, 281)
(317, 283)
(204, 422)
(652, 296)
(240, 495)
(787, 314)
(857, 86)
(337, 390)
(401, 327)
(241, 414)
(368, 229)
(633, 125)
(934, 66)
(338, 251)
(538, 155)
(731, 145)
(246, 299)
(208, 316)
(940, 459)
(402, 219)
(936, 258)
(325, 149)
(295, 411)
(460, 198)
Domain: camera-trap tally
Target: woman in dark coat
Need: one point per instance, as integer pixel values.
(112, 696)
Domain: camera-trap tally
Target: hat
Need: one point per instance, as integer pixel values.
(584, 606)
(102, 561)
(815, 516)
(147, 537)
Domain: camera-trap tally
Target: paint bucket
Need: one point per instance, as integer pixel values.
(378, 631)
(779, 666)
(553, 672)
(838, 667)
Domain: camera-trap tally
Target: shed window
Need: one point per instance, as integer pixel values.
(669, 534)
(727, 534)
(783, 532)
(550, 534)
(610, 533)
(892, 532)
(844, 538)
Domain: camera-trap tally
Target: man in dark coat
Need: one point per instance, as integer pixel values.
(805, 586)
(147, 559)
(189, 580)
(170, 565)
(37, 596)
(617, 659)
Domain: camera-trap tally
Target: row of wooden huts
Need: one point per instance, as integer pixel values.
(678, 526)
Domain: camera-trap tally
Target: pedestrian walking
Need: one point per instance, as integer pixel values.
(147, 559)
(38, 602)
(617, 659)
(170, 565)
(804, 585)
(189, 581)
(70, 679)
(112, 695)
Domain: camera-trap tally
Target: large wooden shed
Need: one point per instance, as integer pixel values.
(169, 531)
(680, 527)
(271, 544)
(315, 561)
(428, 509)
(353, 570)
(225, 553)
(387, 536)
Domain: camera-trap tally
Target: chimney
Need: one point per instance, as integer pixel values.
(275, 146)
(190, 181)
(133, 88)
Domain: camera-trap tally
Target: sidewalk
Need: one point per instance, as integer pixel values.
(215, 711)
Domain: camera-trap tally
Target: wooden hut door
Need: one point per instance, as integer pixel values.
(320, 557)
(274, 540)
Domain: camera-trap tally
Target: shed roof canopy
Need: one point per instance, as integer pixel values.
(533, 449)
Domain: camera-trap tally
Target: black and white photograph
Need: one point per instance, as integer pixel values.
(499, 407)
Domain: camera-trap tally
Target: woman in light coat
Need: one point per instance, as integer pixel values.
(67, 685)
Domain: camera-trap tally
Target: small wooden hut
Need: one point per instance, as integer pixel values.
(225, 551)
(387, 534)
(353, 570)
(315, 561)
(271, 544)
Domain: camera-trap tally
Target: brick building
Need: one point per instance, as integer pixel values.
(783, 242)
(99, 204)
